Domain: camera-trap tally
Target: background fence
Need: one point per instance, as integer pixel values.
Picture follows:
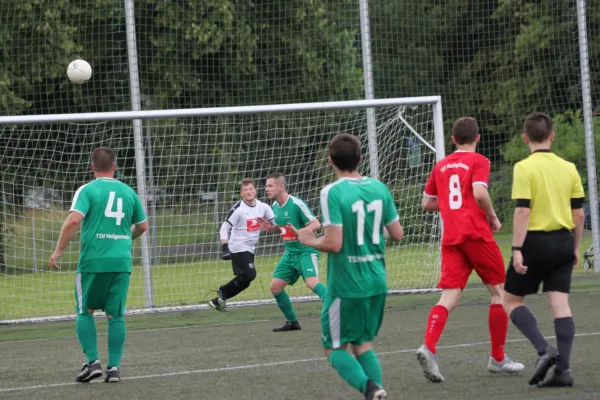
(496, 60)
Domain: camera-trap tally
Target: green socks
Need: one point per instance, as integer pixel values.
(116, 340)
(86, 333)
(320, 290)
(349, 369)
(370, 364)
(285, 305)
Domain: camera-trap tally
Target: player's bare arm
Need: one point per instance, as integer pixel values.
(430, 203)
(578, 220)
(267, 226)
(314, 225)
(68, 230)
(483, 199)
(330, 242)
(395, 231)
(138, 230)
(520, 225)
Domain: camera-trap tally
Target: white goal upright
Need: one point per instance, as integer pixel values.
(186, 166)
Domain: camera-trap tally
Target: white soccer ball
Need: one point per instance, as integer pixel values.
(79, 71)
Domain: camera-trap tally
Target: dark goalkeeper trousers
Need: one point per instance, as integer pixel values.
(243, 268)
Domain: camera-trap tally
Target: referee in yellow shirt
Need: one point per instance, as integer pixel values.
(547, 231)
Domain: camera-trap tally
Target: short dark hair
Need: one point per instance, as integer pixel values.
(247, 181)
(103, 158)
(345, 152)
(465, 130)
(278, 176)
(537, 127)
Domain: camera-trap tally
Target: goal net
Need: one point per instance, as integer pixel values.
(193, 166)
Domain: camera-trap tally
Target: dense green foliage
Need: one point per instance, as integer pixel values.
(496, 60)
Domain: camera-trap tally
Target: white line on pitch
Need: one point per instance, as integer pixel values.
(140, 331)
(252, 366)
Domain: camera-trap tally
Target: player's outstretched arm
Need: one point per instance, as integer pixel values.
(138, 230)
(484, 201)
(430, 203)
(330, 242)
(68, 230)
(267, 226)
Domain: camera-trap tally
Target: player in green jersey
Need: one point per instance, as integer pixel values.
(298, 259)
(355, 211)
(111, 216)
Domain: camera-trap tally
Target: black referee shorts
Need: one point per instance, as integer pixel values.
(549, 258)
(242, 262)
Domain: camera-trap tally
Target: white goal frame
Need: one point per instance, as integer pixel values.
(138, 116)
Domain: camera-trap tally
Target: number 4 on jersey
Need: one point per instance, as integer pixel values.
(109, 213)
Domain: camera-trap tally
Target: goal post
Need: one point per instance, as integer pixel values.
(198, 158)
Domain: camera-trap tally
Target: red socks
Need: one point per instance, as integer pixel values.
(435, 326)
(497, 321)
(498, 324)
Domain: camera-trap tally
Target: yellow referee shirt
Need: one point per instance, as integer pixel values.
(550, 187)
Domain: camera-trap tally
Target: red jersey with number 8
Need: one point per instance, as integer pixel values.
(451, 182)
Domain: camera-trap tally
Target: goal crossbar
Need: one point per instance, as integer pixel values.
(216, 111)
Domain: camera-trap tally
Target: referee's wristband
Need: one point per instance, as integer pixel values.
(516, 248)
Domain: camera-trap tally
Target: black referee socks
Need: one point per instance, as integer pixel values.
(523, 319)
(565, 334)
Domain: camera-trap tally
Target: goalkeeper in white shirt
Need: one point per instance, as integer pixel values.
(239, 236)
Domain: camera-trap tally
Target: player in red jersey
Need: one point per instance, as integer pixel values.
(457, 188)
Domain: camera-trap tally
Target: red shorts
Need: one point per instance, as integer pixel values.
(458, 261)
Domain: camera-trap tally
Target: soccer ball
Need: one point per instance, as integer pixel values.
(79, 71)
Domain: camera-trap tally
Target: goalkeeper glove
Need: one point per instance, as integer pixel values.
(226, 252)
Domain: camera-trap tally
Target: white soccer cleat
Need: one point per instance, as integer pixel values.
(430, 367)
(506, 366)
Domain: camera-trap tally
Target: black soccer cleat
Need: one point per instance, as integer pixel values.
(544, 363)
(558, 379)
(374, 391)
(288, 326)
(89, 371)
(221, 298)
(113, 375)
(215, 305)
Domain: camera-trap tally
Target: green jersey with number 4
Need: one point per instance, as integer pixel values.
(109, 208)
(362, 206)
(296, 212)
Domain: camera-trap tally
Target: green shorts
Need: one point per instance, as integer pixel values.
(354, 321)
(293, 266)
(106, 291)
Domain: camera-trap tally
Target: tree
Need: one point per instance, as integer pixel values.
(223, 53)
(569, 143)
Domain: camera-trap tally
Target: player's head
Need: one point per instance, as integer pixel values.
(465, 131)
(104, 161)
(345, 152)
(538, 128)
(276, 184)
(248, 189)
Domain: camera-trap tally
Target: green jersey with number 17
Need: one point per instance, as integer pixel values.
(109, 208)
(296, 212)
(362, 207)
